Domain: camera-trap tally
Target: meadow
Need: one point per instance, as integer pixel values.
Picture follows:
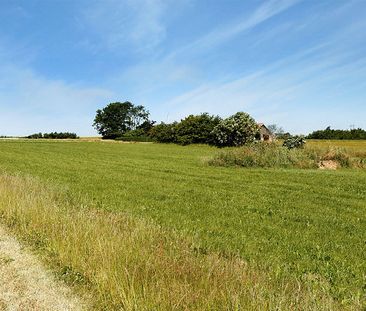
(152, 226)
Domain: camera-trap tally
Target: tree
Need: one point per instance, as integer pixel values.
(117, 118)
(237, 130)
(138, 116)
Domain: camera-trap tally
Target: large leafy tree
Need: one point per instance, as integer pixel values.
(118, 118)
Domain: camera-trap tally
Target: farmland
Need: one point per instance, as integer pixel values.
(290, 226)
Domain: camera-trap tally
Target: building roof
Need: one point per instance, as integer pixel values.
(260, 125)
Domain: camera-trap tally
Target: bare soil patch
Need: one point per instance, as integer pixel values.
(328, 165)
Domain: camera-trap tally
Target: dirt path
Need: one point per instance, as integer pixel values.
(26, 285)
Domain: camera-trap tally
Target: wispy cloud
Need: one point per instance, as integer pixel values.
(176, 65)
(230, 30)
(125, 23)
(309, 82)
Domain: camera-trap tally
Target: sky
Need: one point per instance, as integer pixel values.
(298, 64)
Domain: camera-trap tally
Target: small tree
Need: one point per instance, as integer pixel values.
(237, 130)
(117, 118)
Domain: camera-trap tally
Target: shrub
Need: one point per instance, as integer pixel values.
(135, 133)
(164, 133)
(196, 129)
(237, 130)
(294, 142)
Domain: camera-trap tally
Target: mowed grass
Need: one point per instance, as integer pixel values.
(304, 225)
(129, 264)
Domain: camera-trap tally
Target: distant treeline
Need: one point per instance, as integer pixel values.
(54, 135)
(125, 121)
(329, 133)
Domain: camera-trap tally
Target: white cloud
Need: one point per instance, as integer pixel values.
(31, 103)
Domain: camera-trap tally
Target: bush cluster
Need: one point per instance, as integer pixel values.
(329, 133)
(194, 129)
(54, 135)
(239, 129)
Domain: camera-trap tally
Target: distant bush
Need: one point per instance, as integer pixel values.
(141, 133)
(35, 136)
(294, 142)
(54, 135)
(329, 133)
(271, 155)
(237, 130)
(164, 133)
(196, 129)
(135, 138)
(135, 133)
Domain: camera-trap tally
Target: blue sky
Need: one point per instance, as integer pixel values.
(299, 64)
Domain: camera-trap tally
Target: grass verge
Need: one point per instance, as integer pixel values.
(129, 264)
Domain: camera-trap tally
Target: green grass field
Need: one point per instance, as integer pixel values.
(306, 226)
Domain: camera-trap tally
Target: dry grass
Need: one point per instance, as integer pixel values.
(128, 264)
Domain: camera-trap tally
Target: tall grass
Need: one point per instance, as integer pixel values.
(129, 264)
(272, 155)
